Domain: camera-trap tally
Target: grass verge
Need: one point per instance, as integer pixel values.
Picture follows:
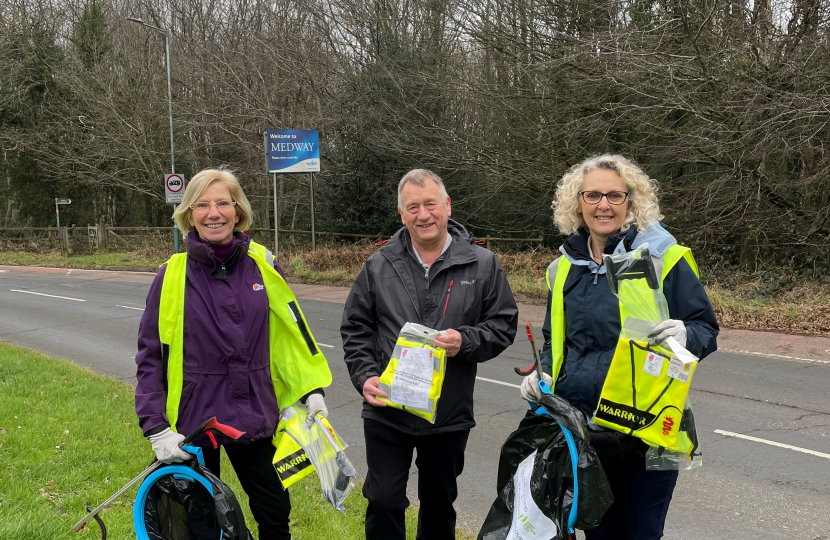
(769, 302)
(70, 438)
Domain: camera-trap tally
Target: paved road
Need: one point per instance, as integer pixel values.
(748, 489)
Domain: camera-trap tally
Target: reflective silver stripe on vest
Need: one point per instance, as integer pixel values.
(552, 269)
(269, 257)
(658, 269)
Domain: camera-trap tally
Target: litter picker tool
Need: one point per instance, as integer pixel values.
(207, 427)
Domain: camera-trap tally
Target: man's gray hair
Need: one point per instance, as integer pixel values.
(419, 177)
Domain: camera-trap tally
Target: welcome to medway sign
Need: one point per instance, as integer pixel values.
(292, 150)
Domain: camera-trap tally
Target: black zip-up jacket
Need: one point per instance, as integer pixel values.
(385, 296)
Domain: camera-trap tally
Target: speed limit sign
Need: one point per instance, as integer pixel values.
(174, 188)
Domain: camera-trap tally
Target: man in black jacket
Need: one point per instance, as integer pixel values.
(430, 273)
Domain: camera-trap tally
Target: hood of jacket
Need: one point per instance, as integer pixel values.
(461, 249)
(575, 247)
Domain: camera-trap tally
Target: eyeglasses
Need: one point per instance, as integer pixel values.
(204, 207)
(613, 197)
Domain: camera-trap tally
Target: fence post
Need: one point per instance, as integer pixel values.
(63, 238)
(488, 242)
(102, 237)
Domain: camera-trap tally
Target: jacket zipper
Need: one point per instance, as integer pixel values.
(448, 297)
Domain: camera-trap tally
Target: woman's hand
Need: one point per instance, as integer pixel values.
(315, 405)
(530, 386)
(670, 328)
(166, 445)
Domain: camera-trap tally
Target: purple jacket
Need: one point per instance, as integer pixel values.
(226, 350)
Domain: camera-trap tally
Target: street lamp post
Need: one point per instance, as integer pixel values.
(166, 35)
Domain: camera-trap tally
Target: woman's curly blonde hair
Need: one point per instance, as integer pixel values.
(643, 207)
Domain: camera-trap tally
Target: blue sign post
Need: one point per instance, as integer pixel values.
(292, 151)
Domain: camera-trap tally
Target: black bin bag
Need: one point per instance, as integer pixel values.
(536, 480)
(180, 507)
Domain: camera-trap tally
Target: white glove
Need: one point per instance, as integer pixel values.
(530, 386)
(666, 329)
(315, 405)
(166, 444)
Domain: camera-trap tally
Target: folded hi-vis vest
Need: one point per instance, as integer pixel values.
(297, 365)
(391, 378)
(645, 390)
(290, 460)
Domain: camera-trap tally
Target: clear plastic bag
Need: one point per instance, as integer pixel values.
(686, 454)
(325, 451)
(645, 393)
(415, 374)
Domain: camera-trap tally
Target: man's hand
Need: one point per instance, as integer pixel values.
(371, 392)
(449, 341)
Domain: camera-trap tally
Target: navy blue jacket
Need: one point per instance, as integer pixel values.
(592, 314)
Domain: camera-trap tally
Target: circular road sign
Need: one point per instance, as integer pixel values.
(175, 183)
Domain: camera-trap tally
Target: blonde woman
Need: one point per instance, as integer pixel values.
(222, 360)
(605, 205)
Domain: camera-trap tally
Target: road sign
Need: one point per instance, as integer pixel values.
(292, 150)
(174, 188)
(63, 201)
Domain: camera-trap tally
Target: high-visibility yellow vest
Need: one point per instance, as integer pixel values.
(297, 365)
(386, 380)
(649, 406)
(290, 460)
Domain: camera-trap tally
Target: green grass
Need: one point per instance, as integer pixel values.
(132, 259)
(69, 438)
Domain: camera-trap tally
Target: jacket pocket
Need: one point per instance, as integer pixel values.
(298, 318)
(464, 295)
(188, 386)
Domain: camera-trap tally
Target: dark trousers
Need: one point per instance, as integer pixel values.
(253, 465)
(641, 500)
(440, 461)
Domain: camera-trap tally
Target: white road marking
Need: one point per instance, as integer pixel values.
(499, 382)
(68, 272)
(129, 307)
(781, 356)
(328, 346)
(773, 443)
(49, 295)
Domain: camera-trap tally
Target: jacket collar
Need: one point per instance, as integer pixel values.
(575, 247)
(461, 251)
(202, 253)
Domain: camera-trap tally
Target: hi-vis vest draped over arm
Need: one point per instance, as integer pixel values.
(297, 365)
(556, 275)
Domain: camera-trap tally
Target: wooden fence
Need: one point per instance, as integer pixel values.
(88, 239)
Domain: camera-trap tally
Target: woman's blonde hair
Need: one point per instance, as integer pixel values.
(643, 207)
(199, 183)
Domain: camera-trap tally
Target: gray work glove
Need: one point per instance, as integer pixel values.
(166, 445)
(530, 386)
(315, 405)
(670, 328)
